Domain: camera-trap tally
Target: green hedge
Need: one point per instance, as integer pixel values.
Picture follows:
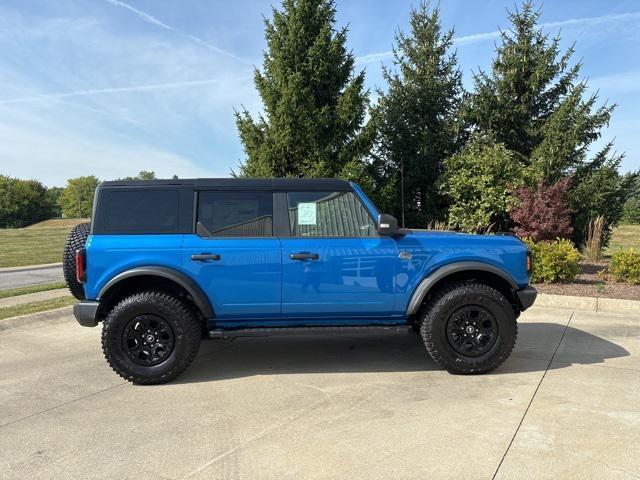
(556, 261)
(625, 266)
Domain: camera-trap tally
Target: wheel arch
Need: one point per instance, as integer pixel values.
(485, 272)
(164, 274)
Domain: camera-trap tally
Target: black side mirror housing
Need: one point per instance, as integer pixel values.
(387, 225)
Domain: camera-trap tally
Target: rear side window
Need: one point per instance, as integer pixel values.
(328, 214)
(138, 211)
(235, 214)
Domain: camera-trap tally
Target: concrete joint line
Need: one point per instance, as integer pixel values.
(566, 327)
(62, 404)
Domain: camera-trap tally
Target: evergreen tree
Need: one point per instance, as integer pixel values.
(314, 105)
(416, 117)
(532, 103)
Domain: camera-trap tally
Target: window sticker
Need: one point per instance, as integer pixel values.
(306, 214)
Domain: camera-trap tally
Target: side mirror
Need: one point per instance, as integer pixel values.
(387, 225)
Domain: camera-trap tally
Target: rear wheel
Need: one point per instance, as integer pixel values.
(76, 241)
(469, 328)
(150, 337)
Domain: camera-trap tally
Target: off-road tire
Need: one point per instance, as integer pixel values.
(445, 303)
(76, 240)
(174, 311)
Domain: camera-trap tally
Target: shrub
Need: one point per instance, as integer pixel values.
(592, 246)
(543, 213)
(479, 182)
(625, 266)
(555, 261)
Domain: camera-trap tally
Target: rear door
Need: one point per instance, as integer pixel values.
(233, 254)
(334, 264)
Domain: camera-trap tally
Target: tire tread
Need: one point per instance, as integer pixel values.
(436, 351)
(75, 241)
(181, 309)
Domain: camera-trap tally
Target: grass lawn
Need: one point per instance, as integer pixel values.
(33, 307)
(14, 292)
(36, 244)
(624, 236)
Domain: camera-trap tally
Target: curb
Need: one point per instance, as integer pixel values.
(33, 297)
(48, 317)
(30, 267)
(589, 304)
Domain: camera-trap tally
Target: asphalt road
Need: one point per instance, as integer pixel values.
(565, 405)
(31, 276)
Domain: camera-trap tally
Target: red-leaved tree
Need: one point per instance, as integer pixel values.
(543, 213)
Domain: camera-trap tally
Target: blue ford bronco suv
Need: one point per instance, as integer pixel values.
(165, 263)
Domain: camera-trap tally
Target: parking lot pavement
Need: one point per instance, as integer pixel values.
(565, 405)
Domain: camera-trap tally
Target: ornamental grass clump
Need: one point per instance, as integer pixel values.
(625, 266)
(556, 261)
(592, 246)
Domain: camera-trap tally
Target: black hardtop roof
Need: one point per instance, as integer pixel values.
(300, 184)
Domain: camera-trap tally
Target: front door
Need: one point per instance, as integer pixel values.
(234, 256)
(334, 264)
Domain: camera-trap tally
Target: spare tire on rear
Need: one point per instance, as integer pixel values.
(76, 241)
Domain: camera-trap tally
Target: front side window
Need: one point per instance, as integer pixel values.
(235, 214)
(328, 214)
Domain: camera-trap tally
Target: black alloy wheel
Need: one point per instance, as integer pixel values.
(472, 330)
(148, 340)
(469, 327)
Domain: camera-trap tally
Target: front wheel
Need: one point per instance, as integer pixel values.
(469, 328)
(150, 337)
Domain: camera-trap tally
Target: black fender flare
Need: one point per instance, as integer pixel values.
(427, 283)
(199, 297)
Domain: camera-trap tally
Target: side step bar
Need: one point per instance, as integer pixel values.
(337, 330)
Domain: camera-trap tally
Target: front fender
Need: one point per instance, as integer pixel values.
(427, 283)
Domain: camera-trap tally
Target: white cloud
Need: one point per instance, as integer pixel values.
(482, 37)
(33, 148)
(130, 88)
(624, 82)
(80, 97)
(154, 21)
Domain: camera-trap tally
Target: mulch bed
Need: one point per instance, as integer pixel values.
(593, 281)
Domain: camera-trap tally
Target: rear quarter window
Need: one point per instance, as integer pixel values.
(143, 211)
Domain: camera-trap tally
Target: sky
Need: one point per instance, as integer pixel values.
(112, 87)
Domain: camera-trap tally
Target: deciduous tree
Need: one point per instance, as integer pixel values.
(77, 198)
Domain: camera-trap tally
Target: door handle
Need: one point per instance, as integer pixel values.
(205, 257)
(304, 256)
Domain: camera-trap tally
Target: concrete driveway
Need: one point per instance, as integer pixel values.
(565, 405)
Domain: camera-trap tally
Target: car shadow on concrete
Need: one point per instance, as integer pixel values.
(405, 352)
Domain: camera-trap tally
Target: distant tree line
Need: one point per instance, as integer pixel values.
(24, 202)
(515, 148)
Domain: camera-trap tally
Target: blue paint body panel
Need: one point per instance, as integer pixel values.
(245, 282)
(109, 255)
(351, 277)
(354, 281)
